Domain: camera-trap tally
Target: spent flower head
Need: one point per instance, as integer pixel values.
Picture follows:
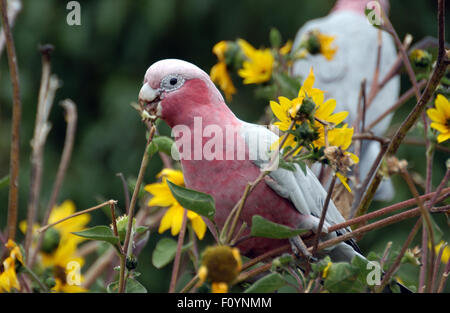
(220, 265)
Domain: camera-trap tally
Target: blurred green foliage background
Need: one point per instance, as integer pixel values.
(101, 65)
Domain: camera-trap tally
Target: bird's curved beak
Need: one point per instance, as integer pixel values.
(149, 100)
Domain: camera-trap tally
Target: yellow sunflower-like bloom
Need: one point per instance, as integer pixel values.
(8, 278)
(258, 67)
(326, 48)
(219, 74)
(286, 110)
(162, 196)
(61, 254)
(440, 117)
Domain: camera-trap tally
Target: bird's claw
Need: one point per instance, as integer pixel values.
(300, 250)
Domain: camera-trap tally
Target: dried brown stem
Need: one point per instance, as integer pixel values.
(101, 205)
(71, 118)
(398, 259)
(126, 245)
(434, 80)
(176, 262)
(403, 98)
(323, 214)
(13, 199)
(41, 130)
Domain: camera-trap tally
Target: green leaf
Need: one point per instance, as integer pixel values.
(161, 144)
(4, 182)
(164, 252)
(286, 165)
(302, 166)
(199, 202)
(262, 227)
(343, 277)
(141, 229)
(101, 233)
(269, 283)
(133, 286)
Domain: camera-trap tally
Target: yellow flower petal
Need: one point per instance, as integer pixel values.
(199, 227)
(443, 106)
(177, 219)
(343, 180)
(439, 127)
(219, 287)
(443, 137)
(436, 116)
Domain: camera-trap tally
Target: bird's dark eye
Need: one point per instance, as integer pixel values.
(172, 82)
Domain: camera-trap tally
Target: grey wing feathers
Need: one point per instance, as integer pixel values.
(305, 191)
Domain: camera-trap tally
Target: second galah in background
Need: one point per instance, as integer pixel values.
(355, 60)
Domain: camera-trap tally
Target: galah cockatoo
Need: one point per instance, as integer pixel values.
(354, 61)
(184, 96)
(218, 156)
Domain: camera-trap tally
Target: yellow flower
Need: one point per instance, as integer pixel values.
(8, 278)
(258, 68)
(219, 74)
(445, 254)
(162, 196)
(61, 250)
(326, 48)
(286, 48)
(286, 112)
(62, 260)
(441, 117)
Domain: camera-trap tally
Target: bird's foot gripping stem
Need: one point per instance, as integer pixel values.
(300, 250)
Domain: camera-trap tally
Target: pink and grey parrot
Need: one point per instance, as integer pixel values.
(184, 96)
(355, 60)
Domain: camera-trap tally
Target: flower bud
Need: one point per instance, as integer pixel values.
(421, 58)
(312, 42)
(131, 262)
(51, 240)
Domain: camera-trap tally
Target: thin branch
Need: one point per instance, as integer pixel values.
(71, 119)
(14, 7)
(444, 277)
(323, 214)
(434, 80)
(403, 98)
(109, 202)
(49, 84)
(397, 261)
(437, 263)
(176, 262)
(426, 218)
(126, 245)
(13, 199)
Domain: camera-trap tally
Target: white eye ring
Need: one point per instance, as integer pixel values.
(172, 82)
